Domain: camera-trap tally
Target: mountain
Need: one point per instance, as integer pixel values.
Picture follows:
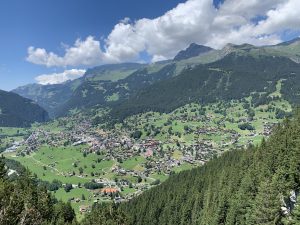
(49, 96)
(124, 87)
(107, 93)
(53, 96)
(192, 51)
(233, 72)
(16, 111)
(112, 72)
(293, 41)
(257, 185)
(234, 77)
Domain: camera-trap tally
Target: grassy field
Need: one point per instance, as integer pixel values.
(51, 163)
(12, 131)
(10, 135)
(134, 163)
(74, 194)
(225, 117)
(214, 123)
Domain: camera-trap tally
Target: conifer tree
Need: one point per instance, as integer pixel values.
(2, 168)
(266, 209)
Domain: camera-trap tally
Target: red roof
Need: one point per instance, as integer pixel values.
(109, 190)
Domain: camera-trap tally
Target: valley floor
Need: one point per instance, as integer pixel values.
(88, 163)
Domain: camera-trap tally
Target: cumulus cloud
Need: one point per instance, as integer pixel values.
(57, 78)
(84, 52)
(126, 20)
(253, 21)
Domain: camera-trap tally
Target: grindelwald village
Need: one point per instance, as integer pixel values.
(150, 112)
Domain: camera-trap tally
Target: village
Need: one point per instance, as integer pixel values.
(119, 164)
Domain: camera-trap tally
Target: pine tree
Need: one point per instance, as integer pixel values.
(2, 168)
(266, 209)
(103, 214)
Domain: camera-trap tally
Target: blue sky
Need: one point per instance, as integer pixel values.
(50, 23)
(67, 36)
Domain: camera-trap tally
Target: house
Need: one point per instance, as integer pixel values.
(149, 153)
(84, 209)
(109, 191)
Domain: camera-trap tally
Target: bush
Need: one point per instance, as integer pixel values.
(246, 126)
(68, 187)
(92, 185)
(156, 182)
(137, 134)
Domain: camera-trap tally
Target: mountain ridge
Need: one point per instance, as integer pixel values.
(17, 111)
(109, 83)
(192, 51)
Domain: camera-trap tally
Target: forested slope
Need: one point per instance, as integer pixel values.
(49, 96)
(135, 87)
(23, 201)
(107, 93)
(16, 111)
(26, 200)
(240, 187)
(234, 77)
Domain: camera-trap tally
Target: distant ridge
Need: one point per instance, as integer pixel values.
(192, 51)
(290, 42)
(16, 111)
(113, 84)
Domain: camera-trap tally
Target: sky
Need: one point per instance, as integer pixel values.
(51, 41)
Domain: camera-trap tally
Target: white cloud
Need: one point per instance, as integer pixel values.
(193, 21)
(281, 18)
(57, 78)
(126, 20)
(85, 52)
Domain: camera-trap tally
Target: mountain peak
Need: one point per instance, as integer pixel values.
(192, 51)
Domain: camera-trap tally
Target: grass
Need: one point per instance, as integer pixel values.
(161, 177)
(234, 114)
(133, 163)
(112, 98)
(55, 163)
(51, 163)
(61, 194)
(182, 167)
(52, 126)
(114, 75)
(177, 154)
(12, 131)
(128, 190)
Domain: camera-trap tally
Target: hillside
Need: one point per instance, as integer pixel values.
(16, 111)
(170, 112)
(24, 199)
(112, 72)
(167, 117)
(192, 51)
(234, 77)
(254, 186)
(49, 96)
(107, 93)
(52, 97)
(129, 83)
(258, 185)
